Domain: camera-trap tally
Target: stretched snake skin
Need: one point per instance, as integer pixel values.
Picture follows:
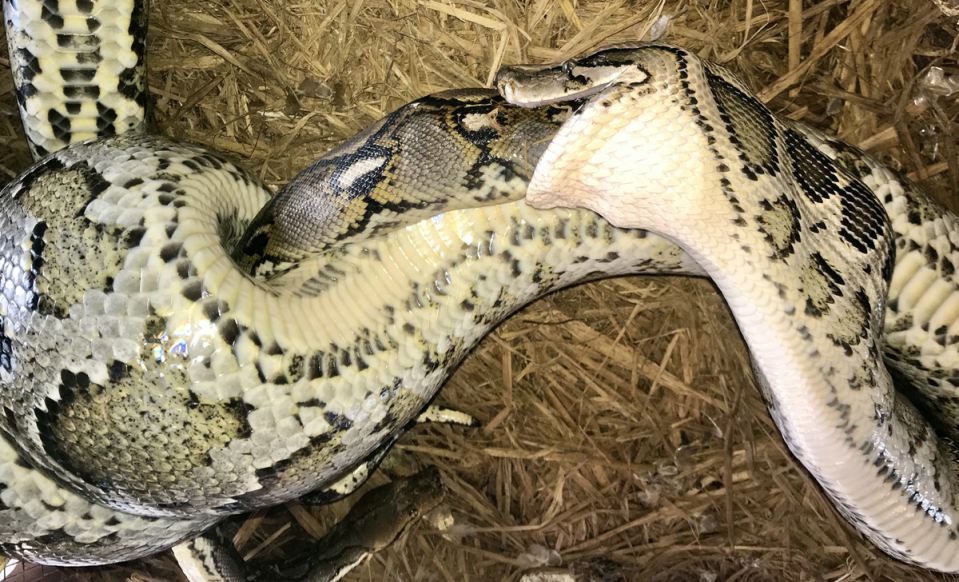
(170, 353)
(168, 384)
(802, 241)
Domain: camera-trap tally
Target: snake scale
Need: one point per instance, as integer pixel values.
(176, 345)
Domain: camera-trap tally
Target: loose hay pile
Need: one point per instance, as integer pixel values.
(621, 418)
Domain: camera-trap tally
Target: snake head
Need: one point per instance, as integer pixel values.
(535, 85)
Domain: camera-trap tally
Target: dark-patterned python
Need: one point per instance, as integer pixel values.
(177, 346)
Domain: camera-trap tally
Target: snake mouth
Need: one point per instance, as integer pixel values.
(578, 78)
(536, 85)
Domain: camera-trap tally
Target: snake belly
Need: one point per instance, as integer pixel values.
(802, 242)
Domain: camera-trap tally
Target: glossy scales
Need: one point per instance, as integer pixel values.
(169, 383)
(815, 247)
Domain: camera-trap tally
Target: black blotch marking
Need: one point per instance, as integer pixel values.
(255, 338)
(946, 267)
(59, 124)
(118, 370)
(50, 13)
(815, 173)
(89, 58)
(183, 268)
(132, 237)
(29, 69)
(6, 350)
(826, 269)
(229, 330)
(240, 410)
(170, 251)
(81, 92)
(864, 220)
(77, 75)
(314, 367)
(37, 246)
(338, 421)
(193, 291)
(211, 310)
(833, 281)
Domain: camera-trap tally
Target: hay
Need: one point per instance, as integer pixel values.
(622, 420)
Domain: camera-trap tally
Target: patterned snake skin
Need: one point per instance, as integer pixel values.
(141, 370)
(802, 241)
(81, 68)
(170, 353)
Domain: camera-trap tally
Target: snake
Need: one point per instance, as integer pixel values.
(374, 522)
(816, 248)
(178, 344)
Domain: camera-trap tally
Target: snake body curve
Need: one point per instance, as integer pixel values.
(813, 256)
(170, 387)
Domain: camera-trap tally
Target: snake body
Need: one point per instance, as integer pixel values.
(170, 353)
(79, 68)
(165, 383)
(804, 253)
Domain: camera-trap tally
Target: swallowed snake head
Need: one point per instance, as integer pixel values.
(535, 85)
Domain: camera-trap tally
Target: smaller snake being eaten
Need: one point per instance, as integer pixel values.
(177, 346)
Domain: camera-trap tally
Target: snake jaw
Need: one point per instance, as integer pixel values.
(536, 85)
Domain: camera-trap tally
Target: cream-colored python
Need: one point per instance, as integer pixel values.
(79, 67)
(150, 386)
(802, 250)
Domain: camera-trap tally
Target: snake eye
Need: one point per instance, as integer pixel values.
(568, 67)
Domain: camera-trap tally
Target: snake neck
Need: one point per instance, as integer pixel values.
(801, 243)
(449, 151)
